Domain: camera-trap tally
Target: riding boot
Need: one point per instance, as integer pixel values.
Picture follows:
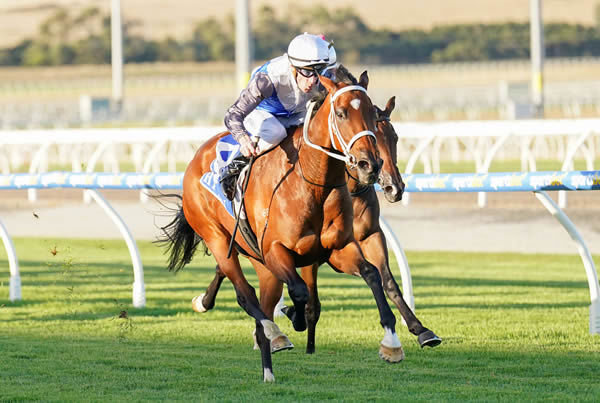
(229, 175)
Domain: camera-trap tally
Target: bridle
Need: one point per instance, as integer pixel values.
(381, 117)
(344, 153)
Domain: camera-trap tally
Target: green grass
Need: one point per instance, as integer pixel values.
(515, 327)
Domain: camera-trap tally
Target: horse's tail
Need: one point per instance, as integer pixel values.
(180, 239)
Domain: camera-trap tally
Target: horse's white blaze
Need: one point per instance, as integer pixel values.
(268, 375)
(355, 103)
(391, 339)
(270, 328)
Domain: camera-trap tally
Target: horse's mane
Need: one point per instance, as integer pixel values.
(342, 75)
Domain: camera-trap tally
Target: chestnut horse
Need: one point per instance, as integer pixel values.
(299, 207)
(367, 232)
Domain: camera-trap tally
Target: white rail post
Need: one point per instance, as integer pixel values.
(485, 168)
(36, 163)
(152, 158)
(568, 164)
(14, 285)
(139, 293)
(91, 165)
(586, 257)
(392, 240)
(413, 160)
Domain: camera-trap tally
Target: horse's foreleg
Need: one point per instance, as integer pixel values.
(206, 302)
(313, 307)
(265, 353)
(351, 260)
(270, 293)
(375, 250)
(280, 262)
(246, 296)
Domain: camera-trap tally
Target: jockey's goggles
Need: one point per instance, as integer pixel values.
(306, 72)
(312, 70)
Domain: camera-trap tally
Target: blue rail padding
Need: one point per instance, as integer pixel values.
(503, 182)
(490, 182)
(97, 180)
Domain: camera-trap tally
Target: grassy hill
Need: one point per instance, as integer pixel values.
(159, 18)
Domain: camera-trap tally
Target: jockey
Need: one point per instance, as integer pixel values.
(274, 100)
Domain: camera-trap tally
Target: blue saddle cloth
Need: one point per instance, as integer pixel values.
(227, 149)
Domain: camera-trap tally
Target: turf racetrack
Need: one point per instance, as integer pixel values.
(515, 327)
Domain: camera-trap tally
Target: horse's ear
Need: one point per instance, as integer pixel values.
(391, 104)
(364, 80)
(328, 84)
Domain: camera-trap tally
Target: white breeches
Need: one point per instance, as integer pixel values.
(265, 127)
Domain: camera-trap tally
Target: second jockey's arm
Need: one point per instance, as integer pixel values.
(259, 88)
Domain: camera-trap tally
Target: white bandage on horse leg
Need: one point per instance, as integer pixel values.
(270, 328)
(268, 375)
(391, 339)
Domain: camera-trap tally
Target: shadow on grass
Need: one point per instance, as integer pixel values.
(208, 368)
(478, 282)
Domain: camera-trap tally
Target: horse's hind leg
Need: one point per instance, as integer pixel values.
(313, 307)
(206, 302)
(246, 297)
(350, 260)
(375, 251)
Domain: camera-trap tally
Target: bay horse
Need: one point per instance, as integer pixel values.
(367, 232)
(299, 207)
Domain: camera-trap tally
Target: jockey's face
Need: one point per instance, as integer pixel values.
(306, 84)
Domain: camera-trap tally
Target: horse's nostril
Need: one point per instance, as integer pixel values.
(391, 189)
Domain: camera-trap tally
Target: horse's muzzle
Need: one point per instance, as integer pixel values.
(392, 193)
(392, 190)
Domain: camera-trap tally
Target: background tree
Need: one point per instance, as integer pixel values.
(85, 38)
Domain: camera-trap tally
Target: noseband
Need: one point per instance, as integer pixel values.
(345, 155)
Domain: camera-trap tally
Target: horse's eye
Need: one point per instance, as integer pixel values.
(340, 113)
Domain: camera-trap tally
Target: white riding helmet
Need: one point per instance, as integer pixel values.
(332, 55)
(310, 51)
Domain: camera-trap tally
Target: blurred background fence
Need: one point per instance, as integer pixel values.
(191, 94)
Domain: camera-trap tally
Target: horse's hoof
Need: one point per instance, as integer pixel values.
(281, 343)
(299, 322)
(391, 354)
(429, 339)
(197, 304)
